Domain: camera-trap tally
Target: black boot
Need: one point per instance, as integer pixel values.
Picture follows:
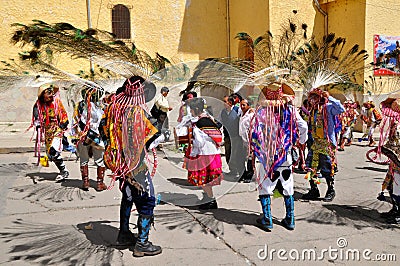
(313, 193)
(395, 217)
(210, 204)
(143, 246)
(330, 193)
(125, 236)
(249, 172)
(63, 170)
(394, 209)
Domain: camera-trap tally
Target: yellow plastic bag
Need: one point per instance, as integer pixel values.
(44, 161)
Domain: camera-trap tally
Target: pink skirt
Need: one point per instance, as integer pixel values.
(204, 169)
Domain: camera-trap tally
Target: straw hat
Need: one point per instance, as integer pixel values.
(370, 103)
(44, 87)
(392, 103)
(350, 103)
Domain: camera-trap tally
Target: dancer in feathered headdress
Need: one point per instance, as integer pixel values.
(276, 128)
(321, 155)
(326, 64)
(128, 132)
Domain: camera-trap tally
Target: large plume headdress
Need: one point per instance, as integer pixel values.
(92, 44)
(262, 62)
(327, 63)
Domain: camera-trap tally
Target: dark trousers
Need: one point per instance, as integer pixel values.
(144, 202)
(324, 165)
(227, 145)
(238, 155)
(162, 121)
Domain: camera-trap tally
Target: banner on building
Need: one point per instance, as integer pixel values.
(386, 55)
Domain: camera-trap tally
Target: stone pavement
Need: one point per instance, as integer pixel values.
(44, 222)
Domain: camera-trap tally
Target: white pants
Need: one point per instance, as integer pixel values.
(267, 185)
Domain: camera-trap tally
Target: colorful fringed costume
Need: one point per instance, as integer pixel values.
(51, 120)
(126, 130)
(371, 116)
(87, 116)
(348, 119)
(389, 145)
(276, 128)
(321, 155)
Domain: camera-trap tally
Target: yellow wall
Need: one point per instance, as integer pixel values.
(251, 17)
(186, 30)
(280, 11)
(24, 11)
(197, 29)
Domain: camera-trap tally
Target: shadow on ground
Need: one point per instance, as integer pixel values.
(16, 169)
(376, 169)
(50, 192)
(180, 199)
(192, 219)
(183, 182)
(61, 244)
(359, 216)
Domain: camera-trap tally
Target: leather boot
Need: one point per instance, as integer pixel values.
(85, 177)
(100, 177)
(288, 221)
(313, 193)
(371, 141)
(143, 246)
(341, 146)
(266, 221)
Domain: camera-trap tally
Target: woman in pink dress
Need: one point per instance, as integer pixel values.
(203, 158)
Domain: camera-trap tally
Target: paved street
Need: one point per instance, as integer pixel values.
(46, 222)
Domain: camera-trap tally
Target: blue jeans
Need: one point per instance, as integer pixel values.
(144, 201)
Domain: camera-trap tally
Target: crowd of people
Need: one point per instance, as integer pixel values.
(262, 141)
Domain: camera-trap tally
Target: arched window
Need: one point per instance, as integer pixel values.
(121, 22)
